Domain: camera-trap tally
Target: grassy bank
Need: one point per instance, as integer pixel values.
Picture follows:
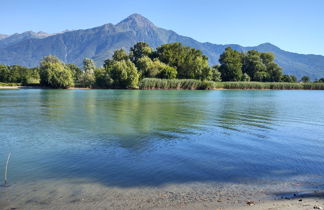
(190, 84)
(9, 84)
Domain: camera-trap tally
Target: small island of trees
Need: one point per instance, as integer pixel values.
(169, 66)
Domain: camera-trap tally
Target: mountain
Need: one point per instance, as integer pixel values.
(100, 42)
(16, 38)
(2, 36)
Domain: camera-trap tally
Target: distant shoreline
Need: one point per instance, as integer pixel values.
(80, 88)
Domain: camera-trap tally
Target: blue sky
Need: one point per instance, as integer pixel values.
(293, 25)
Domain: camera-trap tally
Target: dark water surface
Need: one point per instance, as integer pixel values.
(134, 138)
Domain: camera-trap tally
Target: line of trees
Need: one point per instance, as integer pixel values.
(169, 61)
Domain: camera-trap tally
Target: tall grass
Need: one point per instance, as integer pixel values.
(191, 84)
(179, 84)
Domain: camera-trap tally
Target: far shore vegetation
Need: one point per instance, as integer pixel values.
(170, 66)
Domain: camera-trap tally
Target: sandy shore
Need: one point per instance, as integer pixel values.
(82, 194)
(13, 87)
(37, 87)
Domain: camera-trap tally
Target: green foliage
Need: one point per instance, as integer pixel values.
(103, 78)
(253, 64)
(190, 63)
(305, 79)
(168, 62)
(140, 50)
(155, 68)
(246, 77)
(55, 74)
(76, 72)
(215, 74)
(184, 84)
(274, 71)
(320, 80)
(190, 84)
(6, 84)
(261, 76)
(167, 72)
(87, 78)
(120, 55)
(123, 74)
(19, 74)
(231, 65)
(260, 66)
(288, 78)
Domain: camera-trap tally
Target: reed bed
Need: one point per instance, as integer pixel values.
(191, 84)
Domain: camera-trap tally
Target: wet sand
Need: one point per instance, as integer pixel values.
(82, 194)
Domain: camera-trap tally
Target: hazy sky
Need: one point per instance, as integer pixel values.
(293, 25)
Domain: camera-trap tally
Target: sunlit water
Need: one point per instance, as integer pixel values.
(132, 138)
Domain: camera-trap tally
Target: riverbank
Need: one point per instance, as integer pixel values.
(190, 84)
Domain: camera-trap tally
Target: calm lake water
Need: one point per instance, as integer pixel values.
(135, 138)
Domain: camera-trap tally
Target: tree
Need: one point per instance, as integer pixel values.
(103, 78)
(252, 63)
(261, 76)
(305, 79)
(288, 78)
(139, 50)
(231, 65)
(321, 80)
(190, 63)
(120, 55)
(87, 77)
(147, 68)
(155, 68)
(76, 71)
(274, 71)
(53, 73)
(123, 74)
(167, 72)
(215, 74)
(246, 77)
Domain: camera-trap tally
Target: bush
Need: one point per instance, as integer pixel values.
(53, 73)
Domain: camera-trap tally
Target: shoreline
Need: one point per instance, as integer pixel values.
(80, 88)
(82, 194)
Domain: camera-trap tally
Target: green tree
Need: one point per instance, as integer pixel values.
(147, 68)
(76, 71)
(155, 68)
(215, 74)
(167, 72)
(252, 63)
(140, 50)
(274, 71)
(53, 73)
(261, 76)
(120, 55)
(231, 65)
(246, 77)
(123, 74)
(321, 80)
(87, 77)
(103, 78)
(288, 78)
(305, 79)
(190, 63)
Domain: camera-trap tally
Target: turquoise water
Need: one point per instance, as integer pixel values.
(134, 138)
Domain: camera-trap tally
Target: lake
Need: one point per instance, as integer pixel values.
(69, 145)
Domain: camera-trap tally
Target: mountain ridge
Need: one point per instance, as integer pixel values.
(100, 42)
